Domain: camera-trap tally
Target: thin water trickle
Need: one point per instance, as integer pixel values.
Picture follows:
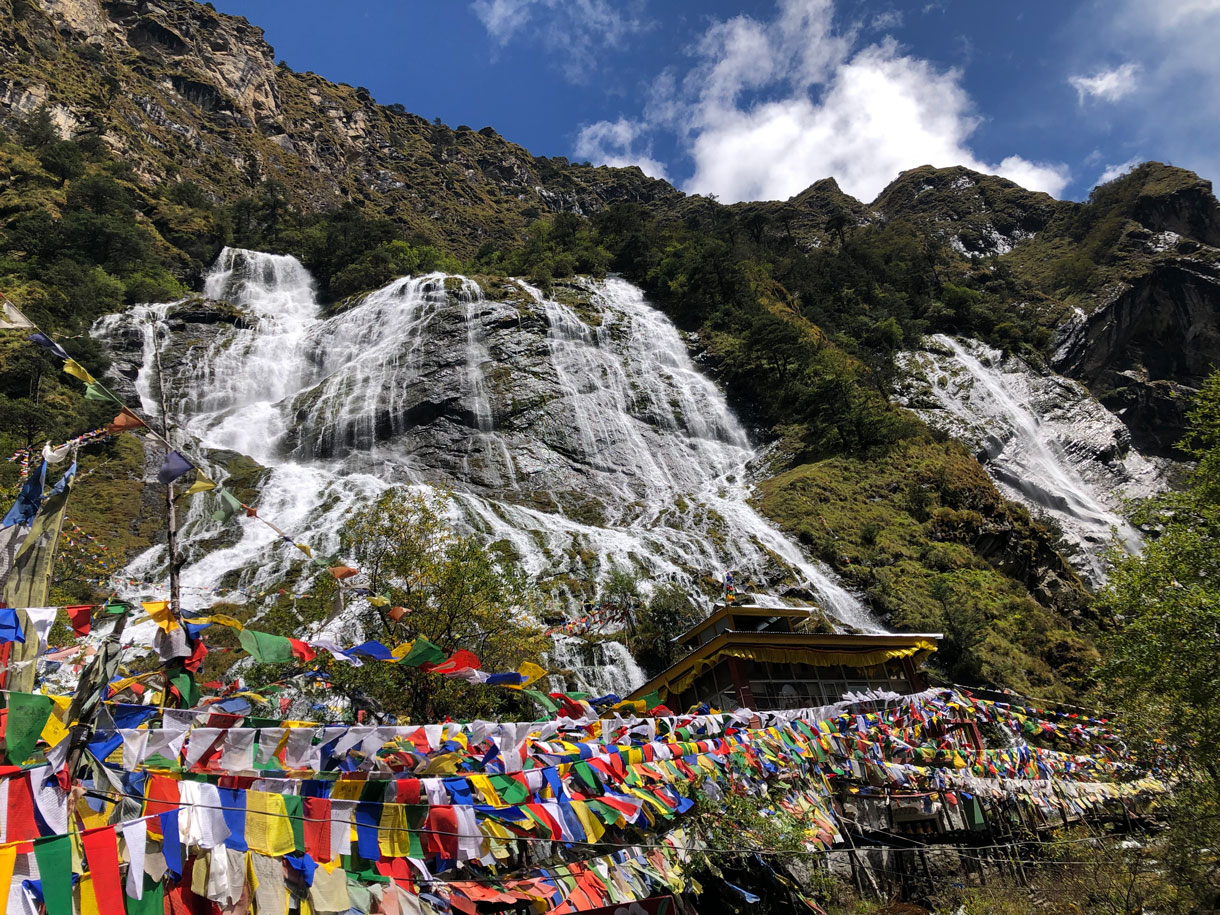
(992, 406)
(578, 440)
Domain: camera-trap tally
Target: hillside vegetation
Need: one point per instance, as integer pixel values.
(132, 151)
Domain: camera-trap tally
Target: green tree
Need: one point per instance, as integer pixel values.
(63, 159)
(668, 613)
(1163, 661)
(459, 596)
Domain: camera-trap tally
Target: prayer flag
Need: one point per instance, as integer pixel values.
(29, 579)
(12, 319)
(76, 370)
(230, 505)
(102, 854)
(161, 614)
(27, 716)
(175, 465)
(201, 484)
(10, 626)
(126, 421)
(96, 392)
(422, 652)
(265, 647)
(49, 345)
(28, 500)
(54, 857)
(81, 617)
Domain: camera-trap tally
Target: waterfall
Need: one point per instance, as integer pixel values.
(1045, 441)
(577, 433)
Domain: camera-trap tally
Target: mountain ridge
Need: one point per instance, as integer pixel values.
(193, 138)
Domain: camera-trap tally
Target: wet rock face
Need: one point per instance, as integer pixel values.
(1145, 351)
(572, 429)
(1043, 438)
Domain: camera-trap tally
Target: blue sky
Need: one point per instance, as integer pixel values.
(757, 99)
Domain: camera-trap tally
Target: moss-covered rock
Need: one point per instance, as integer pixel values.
(927, 539)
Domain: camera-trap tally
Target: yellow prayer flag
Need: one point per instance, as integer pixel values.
(8, 861)
(88, 899)
(304, 548)
(268, 829)
(392, 836)
(378, 601)
(446, 764)
(593, 826)
(221, 620)
(347, 789)
(55, 730)
(401, 651)
(76, 370)
(531, 672)
(161, 614)
(201, 484)
(485, 788)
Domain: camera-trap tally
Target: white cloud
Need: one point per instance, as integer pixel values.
(890, 19)
(1117, 171)
(770, 106)
(613, 143)
(1037, 176)
(573, 30)
(1175, 115)
(1107, 85)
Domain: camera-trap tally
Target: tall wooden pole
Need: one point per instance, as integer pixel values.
(171, 517)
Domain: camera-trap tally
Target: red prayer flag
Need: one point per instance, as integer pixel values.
(342, 572)
(20, 824)
(440, 836)
(81, 617)
(460, 660)
(317, 828)
(547, 820)
(406, 791)
(161, 796)
(302, 652)
(102, 854)
(126, 421)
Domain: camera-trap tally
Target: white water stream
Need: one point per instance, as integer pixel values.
(581, 437)
(1043, 438)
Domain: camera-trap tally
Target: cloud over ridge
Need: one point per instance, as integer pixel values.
(767, 107)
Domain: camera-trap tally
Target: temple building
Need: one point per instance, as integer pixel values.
(759, 658)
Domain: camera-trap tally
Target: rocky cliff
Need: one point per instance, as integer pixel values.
(814, 295)
(177, 89)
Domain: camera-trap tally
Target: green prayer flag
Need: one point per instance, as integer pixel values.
(585, 773)
(416, 816)
(95, 391)
(423, 652)
(182, 680)
(230, 505)
(265, 647)
(26, 716)
(54, 857)
(509, 789)
(296, 818)
(153, 902)
(542, 699)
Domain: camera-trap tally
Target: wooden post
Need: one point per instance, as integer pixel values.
(171, 518)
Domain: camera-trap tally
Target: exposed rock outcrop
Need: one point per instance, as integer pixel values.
(1145, 350)
(179, 90)
(977, 215)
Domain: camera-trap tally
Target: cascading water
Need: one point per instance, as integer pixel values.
(579, 435)
(1043, 438)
